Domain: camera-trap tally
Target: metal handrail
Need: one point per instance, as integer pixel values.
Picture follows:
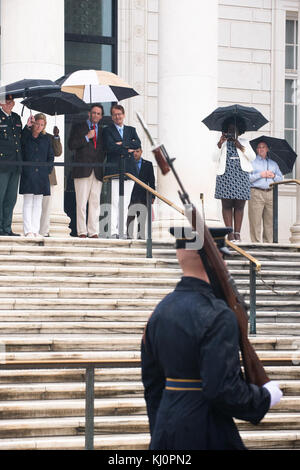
(254, 267)
(89, 365)
(275, 204)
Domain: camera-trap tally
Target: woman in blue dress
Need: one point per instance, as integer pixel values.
(233, 157)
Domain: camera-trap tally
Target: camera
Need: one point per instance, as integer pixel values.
(229, 136)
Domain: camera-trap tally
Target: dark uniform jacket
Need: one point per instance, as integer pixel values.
(114, 151)
(85, 152)
(35, 179)
(193, 335)
(146, 175)
(10, 141)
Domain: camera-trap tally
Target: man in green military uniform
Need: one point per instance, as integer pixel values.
(10, 150)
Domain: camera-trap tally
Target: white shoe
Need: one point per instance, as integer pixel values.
(29, 235)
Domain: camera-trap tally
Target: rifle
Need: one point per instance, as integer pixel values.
(221, 281)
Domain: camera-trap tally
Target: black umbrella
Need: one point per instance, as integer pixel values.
(28, 87)
(56, 103)
(279, 150)
(253, 119)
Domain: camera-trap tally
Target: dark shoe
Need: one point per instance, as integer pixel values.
(115, 235)
(82, 236)
(12, 234)
(94, 236)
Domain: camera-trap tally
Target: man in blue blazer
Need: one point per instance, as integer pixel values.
(119, 141)
(138, 201)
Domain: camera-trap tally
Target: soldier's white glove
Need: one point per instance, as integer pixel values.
(275, 392)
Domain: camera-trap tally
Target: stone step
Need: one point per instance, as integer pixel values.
(72, 426)
(84, 315)
(77, 342)
(70, 390)
(84, 341)
(279, 373)
(253, 440)
(123, 292)
(103, 442)
(268, 357)
(91, 272)
(8, 303)
(272, 421)
(57, 304)
(87, 282)
(84, 293)
(271, 440)
(78, 375)
(75, 426)
(278, 328)
(22, 409)
(46, 408)
(279, 317)
(277, 284)
(263, 255)
(84, 252)
(275, 305)
(265, 319)
(74, 328)
(266, 274)
(79, 261)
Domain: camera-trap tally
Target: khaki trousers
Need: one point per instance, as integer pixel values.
(260, 213)
(88, 190)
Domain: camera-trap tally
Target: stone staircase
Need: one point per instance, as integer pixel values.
(78, 298)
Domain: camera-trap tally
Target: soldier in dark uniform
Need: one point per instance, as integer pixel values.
(191, 368)
(10, 150)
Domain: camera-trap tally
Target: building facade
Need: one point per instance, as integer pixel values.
(184, 59)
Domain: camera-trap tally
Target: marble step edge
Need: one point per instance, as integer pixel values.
(103, 424)
(272, 342)
(139, 282)
(92, 260)
(47, 407)
(8, 376)
(55, 303)
(20, 391)
(42, 358)
(253, 440)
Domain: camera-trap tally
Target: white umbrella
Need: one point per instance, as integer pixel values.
(94, 86)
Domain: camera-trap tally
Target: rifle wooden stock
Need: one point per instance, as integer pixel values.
(161, 160)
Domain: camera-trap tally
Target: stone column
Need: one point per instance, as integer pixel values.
(187, 93)
(32, 46)
(295, 228)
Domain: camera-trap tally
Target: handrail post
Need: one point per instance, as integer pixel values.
(252, 298)
(275, 213)
(149, 225)
(89, 407)
(121, 197)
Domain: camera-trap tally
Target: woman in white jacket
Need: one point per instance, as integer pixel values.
(233, 157)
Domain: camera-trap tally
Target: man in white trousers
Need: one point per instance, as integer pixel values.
(86, 140)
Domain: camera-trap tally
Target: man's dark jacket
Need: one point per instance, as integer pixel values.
(114, 151)
(85, 152)
(146, 175)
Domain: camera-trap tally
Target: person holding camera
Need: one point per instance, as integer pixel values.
(233, 158)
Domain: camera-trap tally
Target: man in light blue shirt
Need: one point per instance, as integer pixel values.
(260, 206)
